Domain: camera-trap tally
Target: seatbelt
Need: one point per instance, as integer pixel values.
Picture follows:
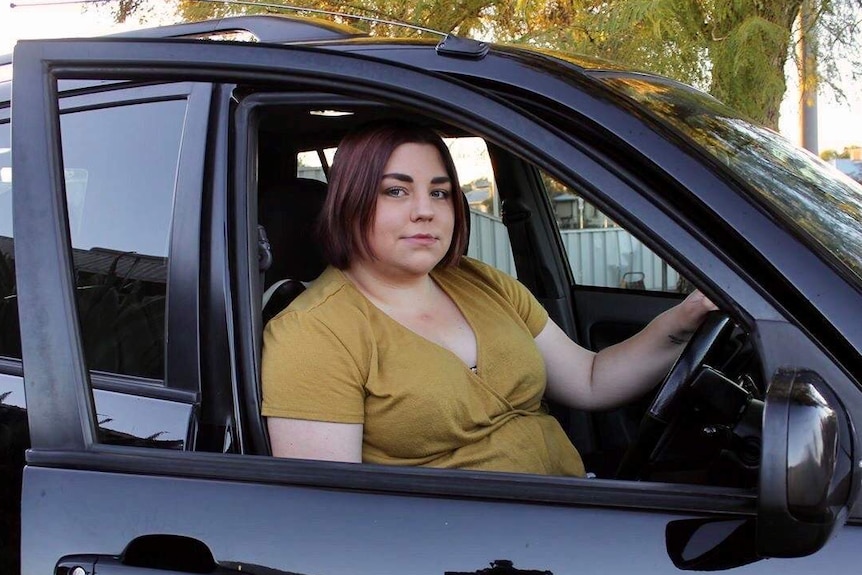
(264, 255)
(264, 250)
(267, 295)
(516, 218)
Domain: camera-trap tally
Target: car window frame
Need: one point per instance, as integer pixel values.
(70, 439)
(245, 144)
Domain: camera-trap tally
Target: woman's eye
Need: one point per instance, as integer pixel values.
(395, 192)
(441, 194)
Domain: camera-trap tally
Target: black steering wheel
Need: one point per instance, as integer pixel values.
(715, 330)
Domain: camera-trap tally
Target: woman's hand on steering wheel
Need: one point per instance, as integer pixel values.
(715, 329)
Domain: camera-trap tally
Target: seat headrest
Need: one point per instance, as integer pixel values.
(289, 212)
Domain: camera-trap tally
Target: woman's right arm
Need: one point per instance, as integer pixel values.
(321, 440)
(312, 388)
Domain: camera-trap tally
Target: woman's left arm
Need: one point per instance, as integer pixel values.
(583, 379)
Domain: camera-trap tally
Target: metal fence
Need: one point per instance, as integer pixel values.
(489, 242)
(603, 257)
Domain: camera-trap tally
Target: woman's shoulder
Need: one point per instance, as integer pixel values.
(330, 299)
(329, 319)
(481, 274)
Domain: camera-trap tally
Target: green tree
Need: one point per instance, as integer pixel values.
(464, 16)
(830, 154)
(734, 49)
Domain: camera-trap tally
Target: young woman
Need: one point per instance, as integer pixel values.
(404, 352)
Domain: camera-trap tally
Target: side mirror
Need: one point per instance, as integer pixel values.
(711, 544)
(806, 471)
(807, 484)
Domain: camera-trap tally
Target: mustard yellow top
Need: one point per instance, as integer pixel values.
(333, 356)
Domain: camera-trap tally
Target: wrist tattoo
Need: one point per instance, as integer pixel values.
(680, 338)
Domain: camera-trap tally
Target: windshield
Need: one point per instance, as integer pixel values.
(812, 196)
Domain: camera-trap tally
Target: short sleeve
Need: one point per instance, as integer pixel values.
(525, 303)
(309, 373)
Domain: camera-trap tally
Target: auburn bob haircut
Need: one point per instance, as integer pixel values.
(354, 185)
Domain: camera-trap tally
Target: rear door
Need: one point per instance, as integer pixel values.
(117, 509)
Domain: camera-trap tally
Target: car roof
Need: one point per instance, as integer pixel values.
(313, 31)
(287, 29)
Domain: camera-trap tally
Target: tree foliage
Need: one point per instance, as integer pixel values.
(847, 153)
(735, 49)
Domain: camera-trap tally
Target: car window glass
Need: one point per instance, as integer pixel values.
(489, 240)
(811, 197)
(120, 167)
(10, 342)
(309, 164)
(600, 252)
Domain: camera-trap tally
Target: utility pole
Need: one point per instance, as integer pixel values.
(807, 55)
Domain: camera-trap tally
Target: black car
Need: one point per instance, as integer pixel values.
(164, 182)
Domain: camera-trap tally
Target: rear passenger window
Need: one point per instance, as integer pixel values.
(489, 240)
(120, 170)
(314, 164)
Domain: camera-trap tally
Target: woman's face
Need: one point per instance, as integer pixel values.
(414, 218)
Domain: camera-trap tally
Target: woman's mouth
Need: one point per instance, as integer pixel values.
(421, 239)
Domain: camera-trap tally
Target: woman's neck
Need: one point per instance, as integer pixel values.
(391, 291)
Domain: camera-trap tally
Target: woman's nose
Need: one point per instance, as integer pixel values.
(422, 207)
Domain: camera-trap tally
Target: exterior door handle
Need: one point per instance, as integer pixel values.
(107, 565)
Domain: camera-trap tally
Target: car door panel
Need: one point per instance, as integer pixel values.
(255, 528)
(307, 530)
(608, 316)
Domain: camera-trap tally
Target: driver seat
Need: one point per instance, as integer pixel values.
(289, 215)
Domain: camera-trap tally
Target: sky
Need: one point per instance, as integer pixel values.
(839, 125)
(53, 19)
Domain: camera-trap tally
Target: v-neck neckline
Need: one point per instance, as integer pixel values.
(473, 370)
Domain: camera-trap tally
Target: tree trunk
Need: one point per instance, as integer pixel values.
(748, 51)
